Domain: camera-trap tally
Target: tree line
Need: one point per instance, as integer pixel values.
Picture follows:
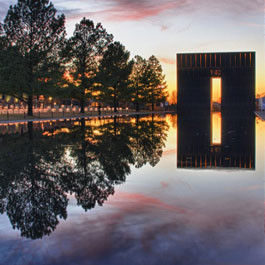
(36, 175)
(36, 58)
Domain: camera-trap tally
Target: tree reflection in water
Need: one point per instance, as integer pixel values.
(30, 190)
(39, 168)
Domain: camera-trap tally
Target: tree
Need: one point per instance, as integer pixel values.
(85, 49)
(114, 71)
(31, 166)
(156, 88)
(40, 168)
(34, 38)
(2, 38)
(138, 80)
(148, 137)
(101, 161)
(13, 73)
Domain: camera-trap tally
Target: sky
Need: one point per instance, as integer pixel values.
(166, 27)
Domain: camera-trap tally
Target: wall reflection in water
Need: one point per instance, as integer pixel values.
(43, 163)
(216, 128)
(216, 140)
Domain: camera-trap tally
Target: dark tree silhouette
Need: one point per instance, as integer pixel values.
(85, 179)
(30, 190)
(34, 37)
(114, 71)
(113, 150)
(148, 139)
(36, 174)
(101, 161)
(139, 81)
(85, 49)
(156, 88)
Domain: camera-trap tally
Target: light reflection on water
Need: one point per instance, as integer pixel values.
(153, 212)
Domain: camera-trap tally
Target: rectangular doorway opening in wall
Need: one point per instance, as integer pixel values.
(216, 93)
(216, 128)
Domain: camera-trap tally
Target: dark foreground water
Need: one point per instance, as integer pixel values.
(141, 190)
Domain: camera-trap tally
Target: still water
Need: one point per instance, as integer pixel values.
(171, 189)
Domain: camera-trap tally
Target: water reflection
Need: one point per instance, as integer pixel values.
(216, 128)
(39, 168)
(216, 140)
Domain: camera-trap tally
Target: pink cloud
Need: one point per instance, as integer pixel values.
(137, 201)
(167, 60)
(164, 28)
(136, 12)
(126, 10)
(164, 184)
(169, 152)
(252, 188)
(253, 25)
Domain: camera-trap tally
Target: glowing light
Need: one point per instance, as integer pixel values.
(216, 128)
(216, 92)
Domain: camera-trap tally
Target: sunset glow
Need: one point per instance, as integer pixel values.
(167, 27)
(216, 128)
(216, 90)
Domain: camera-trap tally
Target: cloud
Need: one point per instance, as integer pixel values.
(139, 201)
(252, 188)
(127, 10)
(119, 10)
(164, 184)
(235, 6)
(158, 12)
(170, 151)
(137, 10)
(253, 25)
(164, 28)
(167, 60)
(69, 12)
(134, 228)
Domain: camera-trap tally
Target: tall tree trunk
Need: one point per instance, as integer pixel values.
(137, 100)
(82, 106)
(153, 106)
(137, 129)
(30, 105)
(152, 137)
(115, 125)
(84, 145)
(31, 153)
(99, 109)
(30, 129)
(82, 87)
(137, 106)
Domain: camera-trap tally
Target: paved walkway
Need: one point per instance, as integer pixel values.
(261, 114)
(84, 116)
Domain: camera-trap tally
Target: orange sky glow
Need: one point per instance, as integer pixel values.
(166, 27)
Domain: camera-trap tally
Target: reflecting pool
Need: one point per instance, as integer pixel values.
(170, 189)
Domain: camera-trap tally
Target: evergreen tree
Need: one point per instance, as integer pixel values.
(138, 80)
(148, 137)
(31, 166)
(34, 38)
(114, 71)
(85, 49)
(156, 84)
